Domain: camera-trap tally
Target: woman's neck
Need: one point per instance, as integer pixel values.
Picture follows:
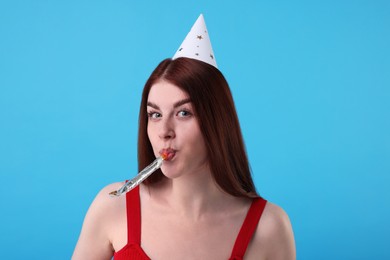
(192, 196)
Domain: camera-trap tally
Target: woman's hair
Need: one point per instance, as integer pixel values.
(214, 107)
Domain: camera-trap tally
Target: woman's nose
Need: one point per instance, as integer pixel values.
(167, 129)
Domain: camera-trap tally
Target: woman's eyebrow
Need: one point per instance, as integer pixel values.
(151, 104)
(181, 102)
(175, 105)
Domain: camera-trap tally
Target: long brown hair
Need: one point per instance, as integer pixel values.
(214, 106)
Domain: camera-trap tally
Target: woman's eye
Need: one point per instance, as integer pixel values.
(183, 113)
(154, 115)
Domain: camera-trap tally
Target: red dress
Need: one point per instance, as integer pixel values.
(133, 250)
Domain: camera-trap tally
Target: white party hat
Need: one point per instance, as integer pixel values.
(197, 44)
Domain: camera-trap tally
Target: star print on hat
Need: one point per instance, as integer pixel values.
(197, 44)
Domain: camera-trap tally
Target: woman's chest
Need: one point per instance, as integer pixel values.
(170, 238)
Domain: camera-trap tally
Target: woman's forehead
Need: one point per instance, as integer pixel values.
(166, 92)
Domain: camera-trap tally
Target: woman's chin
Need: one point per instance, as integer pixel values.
(170, 173)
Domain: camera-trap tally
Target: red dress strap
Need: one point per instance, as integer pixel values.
(248, 228)
(133, 207)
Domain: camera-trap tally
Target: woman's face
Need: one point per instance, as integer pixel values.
(173, 125)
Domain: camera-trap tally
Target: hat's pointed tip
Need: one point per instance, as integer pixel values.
(197, 44)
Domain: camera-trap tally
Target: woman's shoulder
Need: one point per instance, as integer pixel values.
(105, 208)
(274, 234)
(104, 193)
(274, 221)
(103, 201)
(99, 226)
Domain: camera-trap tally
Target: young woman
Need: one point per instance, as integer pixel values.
(202, 203)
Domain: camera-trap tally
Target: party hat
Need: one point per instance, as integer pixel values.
(197, 44)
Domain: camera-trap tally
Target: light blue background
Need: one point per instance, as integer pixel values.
(311, 84)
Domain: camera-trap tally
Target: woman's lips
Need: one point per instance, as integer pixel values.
(167, 153)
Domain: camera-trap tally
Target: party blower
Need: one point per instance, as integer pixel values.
(165, 154)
